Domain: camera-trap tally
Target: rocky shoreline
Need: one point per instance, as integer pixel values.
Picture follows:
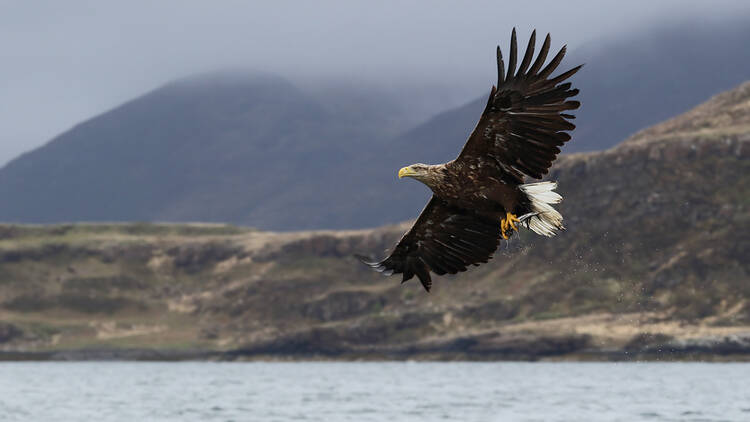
(481, 347)
(576, 349)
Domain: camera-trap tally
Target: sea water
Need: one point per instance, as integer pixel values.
(373, 391)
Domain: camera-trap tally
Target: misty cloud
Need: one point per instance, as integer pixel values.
(64, 62)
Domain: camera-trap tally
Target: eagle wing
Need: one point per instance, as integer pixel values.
(445, 240)
(524, 125)
(519, 134)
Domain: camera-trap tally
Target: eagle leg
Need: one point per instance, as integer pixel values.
(508, 224)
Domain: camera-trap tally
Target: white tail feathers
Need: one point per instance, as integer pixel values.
(543, 219)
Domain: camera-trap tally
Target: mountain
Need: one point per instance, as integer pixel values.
(653, 264)
(253, 149)
(217, 147)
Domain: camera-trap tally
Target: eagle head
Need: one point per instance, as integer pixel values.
(425, 173)
(416, 171)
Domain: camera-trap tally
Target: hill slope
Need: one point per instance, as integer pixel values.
(654, 260)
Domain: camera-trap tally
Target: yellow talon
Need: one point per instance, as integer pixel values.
(508, 223)
(512, 220)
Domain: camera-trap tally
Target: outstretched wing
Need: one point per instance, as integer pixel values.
(445, 240)
(524, 124)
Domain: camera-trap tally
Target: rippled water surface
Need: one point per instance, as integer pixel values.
(200, 391)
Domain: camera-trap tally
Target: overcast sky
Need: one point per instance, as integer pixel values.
(65, 61)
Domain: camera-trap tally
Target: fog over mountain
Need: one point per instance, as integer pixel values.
(626, 84)
(64, 62)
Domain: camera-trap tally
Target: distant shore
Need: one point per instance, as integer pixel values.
(721, 353)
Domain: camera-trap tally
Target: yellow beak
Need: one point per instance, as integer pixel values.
(405, 172)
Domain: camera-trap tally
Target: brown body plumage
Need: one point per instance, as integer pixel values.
(480, 196)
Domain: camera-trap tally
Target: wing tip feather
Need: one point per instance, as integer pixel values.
(513, 55)
(500, 67)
